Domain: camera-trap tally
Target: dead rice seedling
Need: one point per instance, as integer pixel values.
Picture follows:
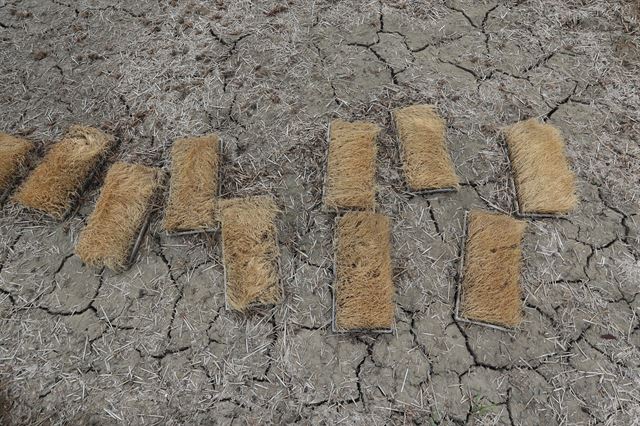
(193, 186)
(426, 162)
(66, 167)
(543, 181)
(351, 166)
(121, 212)
(363, 298)
(14, 153)
(250, 252)
(489, 290)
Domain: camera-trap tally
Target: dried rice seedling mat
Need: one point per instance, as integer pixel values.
(250, 252)
(544, 184)
(194, 186)
(121, 216)
(363, 292)
(426, 162)
(351, 166)
(14, 156)
(64, 171)
(489, 290)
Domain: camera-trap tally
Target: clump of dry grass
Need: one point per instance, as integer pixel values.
(491, 281)
(364, 290)
(544, 182)
(122, 207)
(351, 165)
(14, 152)
(250, 251)
(194, 184)
(51, 187)
(426, 162)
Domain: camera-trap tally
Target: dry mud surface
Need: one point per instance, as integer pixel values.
(154, 345)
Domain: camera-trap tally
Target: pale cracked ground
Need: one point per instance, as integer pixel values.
(155, 345)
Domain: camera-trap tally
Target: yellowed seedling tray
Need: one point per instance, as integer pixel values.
(277, 260)
(104, 145)
(107, 240)
(334, 326)
(459, 283)
(556, 144)
(214, 228)
(330, 209)
(400, 144)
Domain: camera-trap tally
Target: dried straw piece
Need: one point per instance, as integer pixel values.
(364, 291)
(544, 182)
(426, 162)
(250, 251)
(491, 281)
(351, 165)
(53, 184)
(194, 184)
(121, 210)
(14, 152)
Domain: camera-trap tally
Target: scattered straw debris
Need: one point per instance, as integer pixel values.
(14, 152)
(123, 206)
(544, 182)
(51, 187)
(251, 253)
(351, 166)
(491, 280)
(426, 161)
(194, 184)
(364, 291)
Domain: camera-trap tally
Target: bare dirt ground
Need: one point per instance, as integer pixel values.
(154, 345)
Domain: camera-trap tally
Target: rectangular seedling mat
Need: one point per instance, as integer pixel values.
(64, 172)
(121, 216)
(215, 194)
(16, 154)
(251, 220)
(368, 245)
(461, 274)
(444, 164)
(530, 146)
(347, 180)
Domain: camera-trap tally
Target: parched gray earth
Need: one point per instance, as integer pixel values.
(154, 345)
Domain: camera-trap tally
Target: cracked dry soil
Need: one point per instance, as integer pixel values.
(154, 345)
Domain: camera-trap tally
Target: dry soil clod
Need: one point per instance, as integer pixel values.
(490, 290)
(194, 185)
(119, 216)
(351, 166)
(544, 183)
(426, 161)
(363, 290)
(64, 170)
(250, 251)
(14, 152)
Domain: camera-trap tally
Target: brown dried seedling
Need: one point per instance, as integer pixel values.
(194, 185)
(119, 216)
(426, 162)
(490, 288)
(250, 251)
(363, 290)
(351, 166)
(14, 152)
(544, 182)
(64, 170)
